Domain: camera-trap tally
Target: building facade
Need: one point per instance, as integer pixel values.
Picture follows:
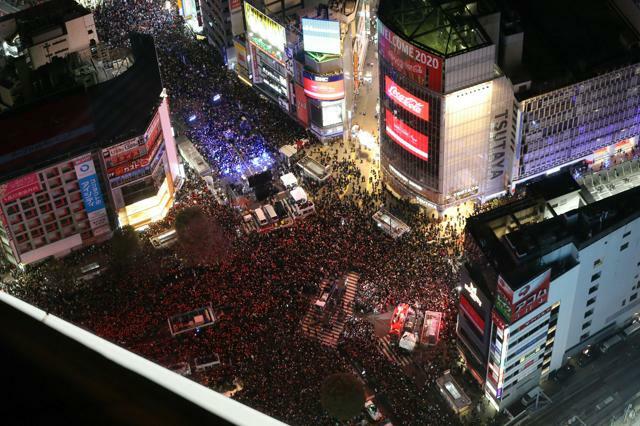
(76, 165)
(540, 285)
(447, 115)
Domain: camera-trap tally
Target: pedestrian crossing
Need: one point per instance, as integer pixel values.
(313, 323)
(386, 348)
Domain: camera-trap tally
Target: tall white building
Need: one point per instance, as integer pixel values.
(546, 276)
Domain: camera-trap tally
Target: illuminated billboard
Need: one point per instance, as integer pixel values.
(301, 105)
(515, 305)
(406, 100)
(265, 33)
(410, 139)
(20, 187)
(324, 87)
(411, 61)
(321, 36)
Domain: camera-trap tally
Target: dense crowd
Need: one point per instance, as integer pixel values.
(263, 288)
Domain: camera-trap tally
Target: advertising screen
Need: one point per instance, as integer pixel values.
(301, 105)
(415, 63)
(515, 305)
(406, 100)
(321, 36)
(265, 33)
(331, 113)
(324, 87)
(20, 187)
(411, 140)
(91, 194)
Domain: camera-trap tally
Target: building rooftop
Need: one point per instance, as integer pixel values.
(570, 41)
(35, 21)
(515, 237)
(442, 27)
(554, 186)
(74, 122)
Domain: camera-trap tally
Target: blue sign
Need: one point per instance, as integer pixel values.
(91, 195)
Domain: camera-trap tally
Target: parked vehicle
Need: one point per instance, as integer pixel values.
(563, 373)
(372, 410)
(609, 343)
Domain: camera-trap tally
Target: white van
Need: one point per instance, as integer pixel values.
(609, 343)
(270, 211)
(530, 396)
(260, 217)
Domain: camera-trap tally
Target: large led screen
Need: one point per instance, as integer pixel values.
(324, 87)
(265, 33)
(415, 63)
(408, 138)
(406, 100)
(321, 36)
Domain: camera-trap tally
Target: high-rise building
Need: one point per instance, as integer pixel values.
(447, 112)
(509, 97)
(545, 277)
(83, 157)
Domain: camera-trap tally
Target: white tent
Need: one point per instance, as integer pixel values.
(298, 195)
(408, 341)
(289, 180)
(288, 151)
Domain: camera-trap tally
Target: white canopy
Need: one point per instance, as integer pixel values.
(298, 195)
(289, 180)
(408, 341)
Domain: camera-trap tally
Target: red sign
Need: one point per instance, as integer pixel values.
(301, 105)
(406, 100)
(20, 187)
(532, 295)
(411, 140)
(410, 60)
(234, 5)
(324, 88)
(475, 318)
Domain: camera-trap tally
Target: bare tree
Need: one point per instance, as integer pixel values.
(201, 238)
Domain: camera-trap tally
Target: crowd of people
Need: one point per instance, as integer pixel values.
(261, 291)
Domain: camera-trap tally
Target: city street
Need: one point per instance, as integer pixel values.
(586, 394)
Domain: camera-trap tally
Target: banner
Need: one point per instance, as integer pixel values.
(324, 87)
(406, 100)
(20, 187)
(411, 61)
(411, 140)
(514, 305)
(301, 105)
(91, 194)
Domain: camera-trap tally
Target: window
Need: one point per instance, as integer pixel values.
(626, 234)
(90, 32)
(624, 302)
(584, 337)
(588, 313)
(591, 301)
(624, 246)
(593, 289)
(595, 276)
(634, 296)
(597, 263)
(586, 324)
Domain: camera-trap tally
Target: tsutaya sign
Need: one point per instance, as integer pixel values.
(406, 100)
(498, 143)
(473, 293)
(501, 137)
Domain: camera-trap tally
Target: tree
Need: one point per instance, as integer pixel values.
(342, 395)
(125, 246)
(201, 237)
(59, 275)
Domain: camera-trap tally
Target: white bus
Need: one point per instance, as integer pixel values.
(165, 239)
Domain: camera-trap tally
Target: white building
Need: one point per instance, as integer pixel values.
(541, 284)
(52, 29)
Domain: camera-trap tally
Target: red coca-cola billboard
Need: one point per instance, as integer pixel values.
(406, 100)
(408, 138)
(415, 63)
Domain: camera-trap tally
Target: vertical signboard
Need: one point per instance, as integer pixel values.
(301, 105)
(91, 194)
(514, 305)
(422, 67)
